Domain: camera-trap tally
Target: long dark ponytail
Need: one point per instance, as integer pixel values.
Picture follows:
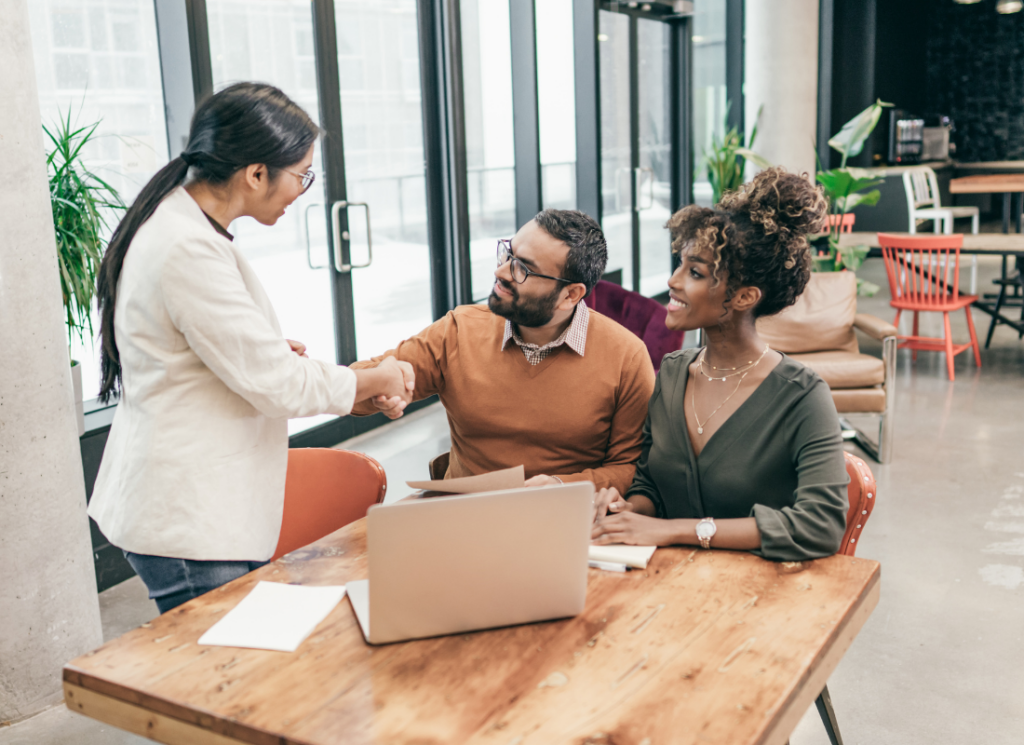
(243, 124)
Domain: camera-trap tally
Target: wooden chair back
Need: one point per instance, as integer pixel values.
(845, 222)
(439, 466)
(325, 490)
(862, 494)
(922, 187)
(922, 270)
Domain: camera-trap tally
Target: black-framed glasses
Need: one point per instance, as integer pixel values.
(307, 178)
(520, 272)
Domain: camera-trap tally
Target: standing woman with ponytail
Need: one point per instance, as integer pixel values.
(742, 446)
(191, 486)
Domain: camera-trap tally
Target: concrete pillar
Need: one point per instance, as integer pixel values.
(49, 608)
(781, 72)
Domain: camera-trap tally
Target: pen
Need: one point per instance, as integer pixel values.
(608, 566)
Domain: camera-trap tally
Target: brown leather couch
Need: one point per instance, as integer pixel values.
(819, 331)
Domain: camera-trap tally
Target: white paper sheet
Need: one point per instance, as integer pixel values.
(274, 616)
(508, 478)
(619, 553)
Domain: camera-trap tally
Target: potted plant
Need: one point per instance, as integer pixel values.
(724, 160)
(81, 203)
(846, 188)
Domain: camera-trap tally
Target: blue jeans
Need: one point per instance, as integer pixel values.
(172, 582)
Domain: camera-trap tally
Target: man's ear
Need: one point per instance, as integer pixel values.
(571, 295)
(746, 298)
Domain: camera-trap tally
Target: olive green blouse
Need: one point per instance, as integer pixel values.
(778, 459)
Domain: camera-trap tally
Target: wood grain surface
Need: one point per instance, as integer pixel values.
(982, 243)
(702, 647)
(992, 183)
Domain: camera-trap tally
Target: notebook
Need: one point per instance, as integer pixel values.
(635, 557)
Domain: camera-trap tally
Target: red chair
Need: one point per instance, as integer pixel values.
(861, 493)
(641, 315)
(919, 269)
(326, 490)
(845, 222)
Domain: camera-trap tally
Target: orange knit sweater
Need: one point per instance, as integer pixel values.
(578, 418)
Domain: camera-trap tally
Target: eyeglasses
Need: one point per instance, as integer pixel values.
(307, 178)
(520, 272)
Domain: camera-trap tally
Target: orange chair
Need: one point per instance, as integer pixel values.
(919, 269)
(861, 493)
(845, 222)
(326, 490)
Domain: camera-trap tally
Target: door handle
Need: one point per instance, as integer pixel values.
(309, 252)
(639, 188)
(340, 236)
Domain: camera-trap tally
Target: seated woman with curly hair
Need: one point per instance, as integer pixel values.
(742, 445)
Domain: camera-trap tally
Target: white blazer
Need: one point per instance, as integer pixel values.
(194, 465)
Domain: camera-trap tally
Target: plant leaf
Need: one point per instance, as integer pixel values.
(862, 200)
(850, 139)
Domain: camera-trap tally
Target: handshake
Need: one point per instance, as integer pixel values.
(390, 385)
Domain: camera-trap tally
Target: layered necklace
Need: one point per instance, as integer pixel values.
(741, 370)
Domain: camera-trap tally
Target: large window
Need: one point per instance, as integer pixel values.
(556, 100)
(490, 152)
(98, 60)
(709, 98)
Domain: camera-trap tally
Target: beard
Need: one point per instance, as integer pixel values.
(531, 313)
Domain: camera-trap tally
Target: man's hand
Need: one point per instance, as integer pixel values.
(543, 481)
(631, 528)
(393, 404)
(298, 347)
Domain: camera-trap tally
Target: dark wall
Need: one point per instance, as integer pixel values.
(853, 65)
(975, 73)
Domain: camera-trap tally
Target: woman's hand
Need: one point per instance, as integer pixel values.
(631, 528)
(298, 347)
(609, 501)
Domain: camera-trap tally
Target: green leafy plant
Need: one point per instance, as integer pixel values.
(82, 203)
(724, 160)
(846, 188)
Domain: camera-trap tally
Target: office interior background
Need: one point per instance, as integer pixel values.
(447, 124)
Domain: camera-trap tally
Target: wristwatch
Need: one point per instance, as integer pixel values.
(706, 530)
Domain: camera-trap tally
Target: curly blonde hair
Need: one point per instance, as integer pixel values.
(757, 236)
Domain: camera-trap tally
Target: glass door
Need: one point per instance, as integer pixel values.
(636, 56)
(384, 172)
(272, 41)
(348, 266)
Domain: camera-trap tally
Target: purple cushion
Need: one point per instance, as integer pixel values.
(641, 315)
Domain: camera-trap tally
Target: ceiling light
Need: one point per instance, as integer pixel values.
(1009, 6)
(966, 2)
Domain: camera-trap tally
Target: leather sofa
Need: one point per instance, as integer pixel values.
(820, 332)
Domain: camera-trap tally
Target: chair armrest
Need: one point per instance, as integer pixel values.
(874, 327)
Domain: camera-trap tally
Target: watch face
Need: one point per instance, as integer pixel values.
(705, 530)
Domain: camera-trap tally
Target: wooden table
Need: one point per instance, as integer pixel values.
(994, 183)
(704, 646)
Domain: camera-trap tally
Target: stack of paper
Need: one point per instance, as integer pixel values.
(618, 553)
(508, 478)
(274, 616)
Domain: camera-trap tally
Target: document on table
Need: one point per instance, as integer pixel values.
(619, 553)
(274, 616)
(508, 478)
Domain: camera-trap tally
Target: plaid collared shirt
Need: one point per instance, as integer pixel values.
(575, 336)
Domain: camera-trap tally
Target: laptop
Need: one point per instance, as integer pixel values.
(477, 561)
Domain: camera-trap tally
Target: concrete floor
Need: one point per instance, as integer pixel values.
(941, 660)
